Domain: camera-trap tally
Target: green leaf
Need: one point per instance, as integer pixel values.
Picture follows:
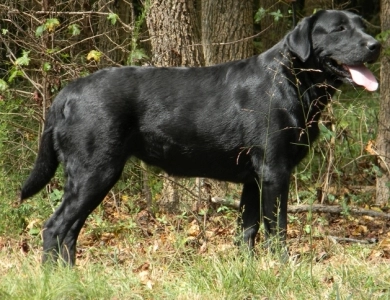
(74, 29)
(277, 15)
(52, 24)
(46, 67)
(3, 85)
(52, 50)
(113, 18)
(260, 14)
(326, 133)
(4, 31)
(343, 124)
(56, 195)
(14, 73)
(34, 231)
(136, 55)
(40, 30)
(24, 60)
(383, 36)
(331, 198)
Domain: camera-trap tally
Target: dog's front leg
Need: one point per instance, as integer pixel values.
(274, 195)
(249, 219)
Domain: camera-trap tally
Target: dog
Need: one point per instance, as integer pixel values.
(249, 121)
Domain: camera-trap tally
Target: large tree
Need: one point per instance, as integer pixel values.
(227, 26)
(174, 33)
(383, 138)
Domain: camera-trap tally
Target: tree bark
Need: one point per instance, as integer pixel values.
(174, 33)
(383, 137)
(226, 27)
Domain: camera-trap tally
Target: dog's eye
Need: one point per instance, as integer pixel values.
(339, 29)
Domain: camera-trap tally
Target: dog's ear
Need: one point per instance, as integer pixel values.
(299, 39)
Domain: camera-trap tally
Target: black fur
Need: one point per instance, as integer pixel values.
(249, 121)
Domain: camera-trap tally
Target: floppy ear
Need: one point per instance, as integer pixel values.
(299, 39)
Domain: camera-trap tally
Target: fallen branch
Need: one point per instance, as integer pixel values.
(316, 208)
(336, 239)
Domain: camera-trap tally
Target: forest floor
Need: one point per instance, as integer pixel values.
(127, 255)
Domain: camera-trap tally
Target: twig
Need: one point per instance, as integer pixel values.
(350, 240)
(316, 208)
(49, 12)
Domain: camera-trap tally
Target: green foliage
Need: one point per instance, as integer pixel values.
(339, 154)
(16, 159)
(20, 62)
(24, 60)
(113, 18)
(383, 38)
(50, 25)
(262, 13)
(277, 15)
(46, 66)
(3, 85)
(74, 29)
(136, 53)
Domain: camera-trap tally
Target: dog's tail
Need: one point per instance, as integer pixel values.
(45, 165)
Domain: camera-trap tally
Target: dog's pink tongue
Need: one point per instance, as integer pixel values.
(363, 76)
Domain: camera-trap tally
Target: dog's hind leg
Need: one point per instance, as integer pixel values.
(85, 188)
(68, 248)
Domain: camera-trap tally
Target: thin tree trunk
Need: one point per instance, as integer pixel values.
(383, 138)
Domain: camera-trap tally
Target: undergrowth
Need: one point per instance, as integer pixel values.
(168, 270)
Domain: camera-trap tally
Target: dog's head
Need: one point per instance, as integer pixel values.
(337, 41)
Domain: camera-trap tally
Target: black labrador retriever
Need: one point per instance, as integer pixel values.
(248, 121)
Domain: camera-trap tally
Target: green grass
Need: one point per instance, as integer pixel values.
(347, 274)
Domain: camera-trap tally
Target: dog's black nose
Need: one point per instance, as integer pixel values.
(373, 46)
(374, 50)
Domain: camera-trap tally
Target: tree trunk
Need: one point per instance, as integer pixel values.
(174, 33)
(175, 40)
(226, 29)
(383, 138)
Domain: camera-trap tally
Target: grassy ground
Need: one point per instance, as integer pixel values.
(154, 268)
(139, 256)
